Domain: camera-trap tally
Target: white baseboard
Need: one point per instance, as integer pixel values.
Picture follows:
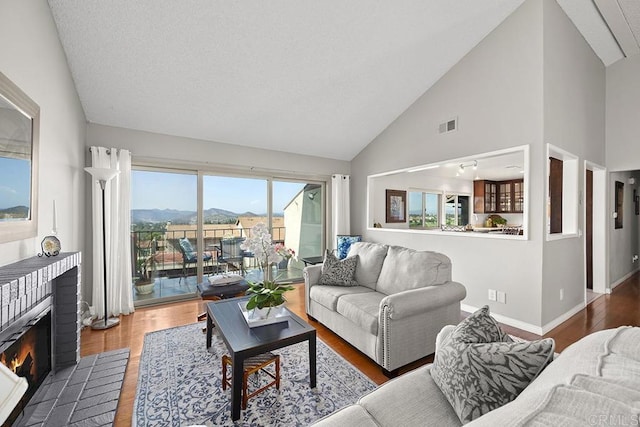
(528, 326)
(623, 278)
(562, 318)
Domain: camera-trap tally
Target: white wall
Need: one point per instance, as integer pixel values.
(533, 81)
(496, 92)
(574, 120)
(623, 114)
(174, 149)
(32, 57)
(623, 242)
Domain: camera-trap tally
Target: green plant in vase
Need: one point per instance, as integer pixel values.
(268, 293)
(145, 283)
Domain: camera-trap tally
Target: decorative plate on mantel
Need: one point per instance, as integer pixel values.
(50, 246)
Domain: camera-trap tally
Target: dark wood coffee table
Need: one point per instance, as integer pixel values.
(243, 342)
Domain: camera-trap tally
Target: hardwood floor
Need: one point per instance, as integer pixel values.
(607, 311)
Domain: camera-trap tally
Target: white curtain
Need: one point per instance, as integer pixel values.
(340, 207)
(117, 231)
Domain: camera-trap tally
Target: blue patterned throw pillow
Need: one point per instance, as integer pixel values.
(337, 272)
(344, 243)
(479, 368)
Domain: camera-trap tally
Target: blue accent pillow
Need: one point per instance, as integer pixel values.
(344, 243)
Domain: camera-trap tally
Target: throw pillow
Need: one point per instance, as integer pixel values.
(344, 243)
(479, 368)
(337, 272)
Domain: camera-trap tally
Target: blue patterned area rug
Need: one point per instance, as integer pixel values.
(180, 384)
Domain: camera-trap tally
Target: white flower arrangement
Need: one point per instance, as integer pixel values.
(261, 245)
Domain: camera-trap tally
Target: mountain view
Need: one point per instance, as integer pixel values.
(14, 212)
(211, 216)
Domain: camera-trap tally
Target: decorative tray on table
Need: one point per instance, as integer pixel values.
(258, 316)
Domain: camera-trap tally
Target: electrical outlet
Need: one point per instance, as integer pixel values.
(561, 294)
(634, 258)
(492, 294)
(502, 297)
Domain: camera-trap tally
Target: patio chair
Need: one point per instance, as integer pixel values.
(231, 254)
(190, 256)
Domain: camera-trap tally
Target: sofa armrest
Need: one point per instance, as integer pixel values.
(311, 274)
(414, 301)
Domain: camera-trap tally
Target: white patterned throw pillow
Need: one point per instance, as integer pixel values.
(480, 368)
(337, 272)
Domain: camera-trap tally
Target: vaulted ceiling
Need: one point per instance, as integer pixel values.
(320, 78)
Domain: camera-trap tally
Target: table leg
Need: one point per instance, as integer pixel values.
(236, 385)
(312, 360)
(209, 330)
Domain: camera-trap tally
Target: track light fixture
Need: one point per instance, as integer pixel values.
(462, 166)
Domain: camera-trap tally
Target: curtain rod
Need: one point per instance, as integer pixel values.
(108, 150)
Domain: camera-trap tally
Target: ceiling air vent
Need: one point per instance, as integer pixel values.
(448, 126)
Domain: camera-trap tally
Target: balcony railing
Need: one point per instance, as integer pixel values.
(163, 245)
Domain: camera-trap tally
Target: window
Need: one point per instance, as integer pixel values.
(424, 210)
(445, 193)
(456, 209)
(555, 195)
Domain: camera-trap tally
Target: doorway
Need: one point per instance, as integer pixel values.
(588, 228)
(595, 231)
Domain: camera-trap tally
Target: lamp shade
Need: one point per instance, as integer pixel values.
(102, 174)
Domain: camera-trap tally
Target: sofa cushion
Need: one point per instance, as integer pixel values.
(405, 269)
(328, 296)
(337, 272)
(362, 309)
(479, 368)
(577, 406)
(353, 415)
(412, 399)
(370, 259)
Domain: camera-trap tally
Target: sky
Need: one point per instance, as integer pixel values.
(15, 182)
(415, 203)
(162, 190)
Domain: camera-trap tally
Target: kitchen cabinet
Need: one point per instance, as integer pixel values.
(498, 196)
(485, 196)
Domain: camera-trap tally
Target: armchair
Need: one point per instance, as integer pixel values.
(231, 253)
(190, 256)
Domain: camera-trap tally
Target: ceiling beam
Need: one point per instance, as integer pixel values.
(618, 25)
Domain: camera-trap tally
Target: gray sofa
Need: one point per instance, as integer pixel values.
(595, 381)
(403, 298)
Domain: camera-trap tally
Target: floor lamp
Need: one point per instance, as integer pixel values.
(102, 175)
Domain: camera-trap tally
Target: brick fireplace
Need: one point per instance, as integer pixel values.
(40, 319)
(42, 296)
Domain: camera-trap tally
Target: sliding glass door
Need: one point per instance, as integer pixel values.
(298, 224)
(231, 206)
(176, 243)
(163, 235)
